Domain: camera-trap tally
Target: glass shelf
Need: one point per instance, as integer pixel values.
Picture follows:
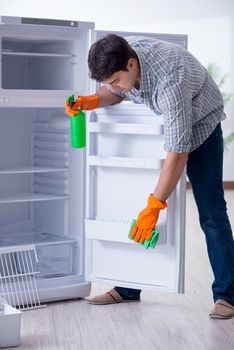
(35, 54)
(30, 170)
(28, 197)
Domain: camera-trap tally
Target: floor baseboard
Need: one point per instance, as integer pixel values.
(227, 185)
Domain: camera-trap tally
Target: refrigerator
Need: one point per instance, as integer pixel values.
(72, 206)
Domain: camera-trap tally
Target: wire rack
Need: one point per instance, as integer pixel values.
(18, 285)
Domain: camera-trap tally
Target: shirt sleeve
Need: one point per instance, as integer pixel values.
(175, 102)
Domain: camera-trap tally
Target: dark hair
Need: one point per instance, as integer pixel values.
(108, 55)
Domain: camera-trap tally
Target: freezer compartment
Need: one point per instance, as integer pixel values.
(56, 255)
(41, 64)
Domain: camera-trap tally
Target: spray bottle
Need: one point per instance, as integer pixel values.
(77, 127)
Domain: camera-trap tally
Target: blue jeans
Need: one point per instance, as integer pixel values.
(205, 172)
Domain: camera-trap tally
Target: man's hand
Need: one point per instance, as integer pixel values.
(82, 102)
(147, 219)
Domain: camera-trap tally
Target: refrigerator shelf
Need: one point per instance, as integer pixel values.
(125, 162)
(28, 197)
(32, 237)
(31, 170)
(37, 54)
(125, 128)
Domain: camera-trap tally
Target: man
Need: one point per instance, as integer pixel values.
(172, 82)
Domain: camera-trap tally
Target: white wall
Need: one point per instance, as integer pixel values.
(208, 23)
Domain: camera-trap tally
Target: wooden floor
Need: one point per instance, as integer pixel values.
(159, 321)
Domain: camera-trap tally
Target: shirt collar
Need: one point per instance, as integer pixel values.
(144, 75)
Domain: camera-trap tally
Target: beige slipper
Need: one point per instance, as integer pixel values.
(110, 297)
(222, 310)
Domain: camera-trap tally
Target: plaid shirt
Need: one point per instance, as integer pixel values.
(175, 84)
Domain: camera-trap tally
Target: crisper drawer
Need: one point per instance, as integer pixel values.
(56, 255)
(56, 260)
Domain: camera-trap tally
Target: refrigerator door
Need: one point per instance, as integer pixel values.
(124, 157)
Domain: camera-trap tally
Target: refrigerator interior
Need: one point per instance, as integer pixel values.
(40, 197)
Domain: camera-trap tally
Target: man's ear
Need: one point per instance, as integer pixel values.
(131, 63)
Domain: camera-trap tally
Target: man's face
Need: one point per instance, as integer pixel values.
(124, 81)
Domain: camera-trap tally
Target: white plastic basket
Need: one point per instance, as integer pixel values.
(10, 323)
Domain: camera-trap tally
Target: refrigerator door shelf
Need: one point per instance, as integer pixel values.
(126, 128)
(125, 162)
(116, 230)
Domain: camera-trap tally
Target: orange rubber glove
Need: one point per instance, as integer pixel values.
(83, 102)
(147, 219)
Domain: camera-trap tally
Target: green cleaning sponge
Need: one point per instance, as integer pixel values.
(151, 243)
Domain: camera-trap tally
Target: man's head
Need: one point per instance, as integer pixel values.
(112, 61)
